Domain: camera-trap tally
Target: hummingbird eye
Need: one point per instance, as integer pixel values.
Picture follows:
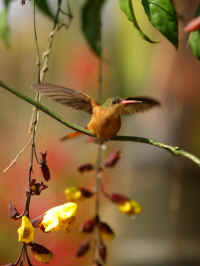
(116, 100)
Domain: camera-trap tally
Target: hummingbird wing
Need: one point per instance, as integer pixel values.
(141, 104)
(66, 96)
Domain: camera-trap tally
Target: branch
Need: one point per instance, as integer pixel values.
(172, 149)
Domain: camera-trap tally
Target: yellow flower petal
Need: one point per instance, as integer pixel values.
(107, 237)
(26, 231)
(59, 217)
(73, 194)
(130, 207)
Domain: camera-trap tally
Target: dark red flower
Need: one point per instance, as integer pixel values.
(85, 167)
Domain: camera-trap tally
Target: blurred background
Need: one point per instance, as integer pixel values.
(167, 232)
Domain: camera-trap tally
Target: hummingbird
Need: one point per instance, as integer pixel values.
(105, 121)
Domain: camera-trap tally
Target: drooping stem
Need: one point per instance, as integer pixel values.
(99, 157)
(34, 120)
(98, 179)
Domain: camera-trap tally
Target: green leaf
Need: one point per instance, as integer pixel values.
(4, 28)
(127, 7)
(7, 3)
(44, 7)
(162, 15)
(91, 23)
(194, 38)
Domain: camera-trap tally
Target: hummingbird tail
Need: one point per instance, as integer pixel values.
(71, 135)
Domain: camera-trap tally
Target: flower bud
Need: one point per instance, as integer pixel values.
(112, 159)
(103, 252)
(44, 167)
(83, 249)
(37, 188)
(41, 253)
(117, 198)
(106, 231)
(85, 168)
(89, 225)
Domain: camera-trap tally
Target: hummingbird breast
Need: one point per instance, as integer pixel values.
(104, 123)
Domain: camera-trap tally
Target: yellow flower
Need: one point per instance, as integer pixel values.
(73, 194)
(26, 231)
(59, 217)
(130, 207)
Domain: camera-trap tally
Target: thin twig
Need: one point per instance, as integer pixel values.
(18, 155)
(51, 37)
(36, 41)
(20, 255)
(172, 149)
(35, 114)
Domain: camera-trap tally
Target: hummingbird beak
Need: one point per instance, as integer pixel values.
(129, 101)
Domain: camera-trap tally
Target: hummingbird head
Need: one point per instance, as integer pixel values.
(112, 101)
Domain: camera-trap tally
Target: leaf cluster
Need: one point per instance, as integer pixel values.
(160, 13)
